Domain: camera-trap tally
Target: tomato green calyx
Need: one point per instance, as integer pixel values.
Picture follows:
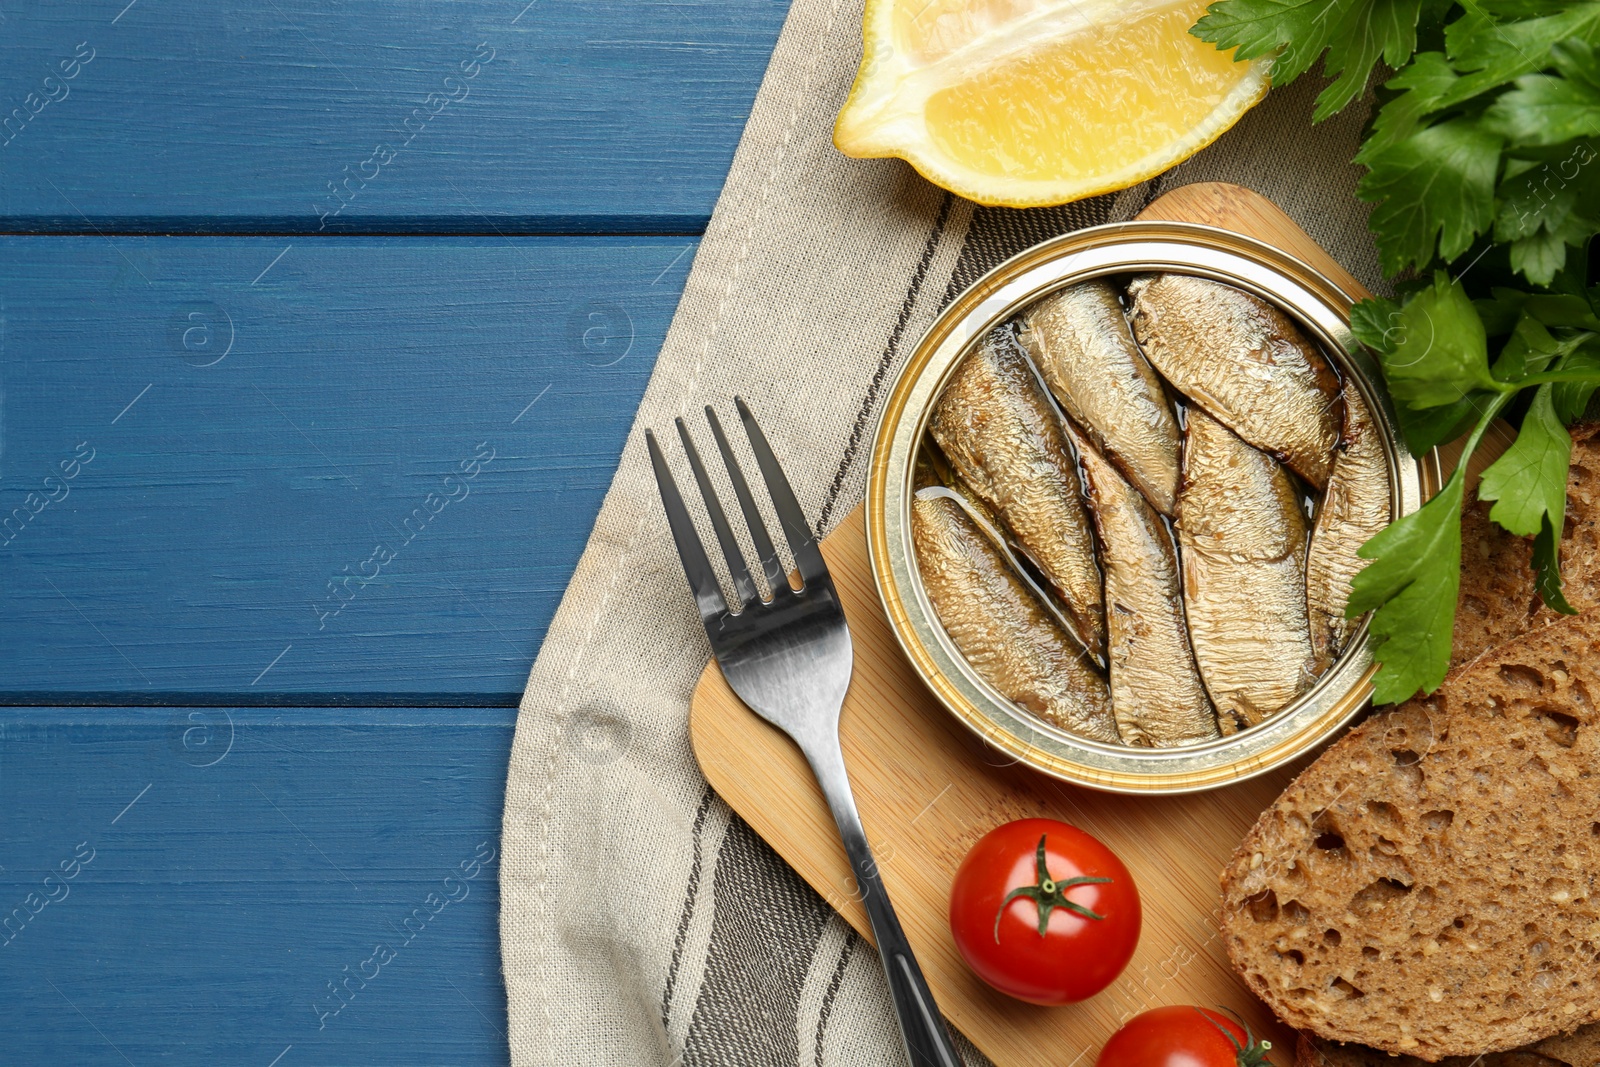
(1048, 894)
(1252, 1053)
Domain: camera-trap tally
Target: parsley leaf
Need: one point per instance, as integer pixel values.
(1413, 581)
(1299, 30)
(1563, 309)
(1505, 310)
(1495, 53)
(1575, 60)
(1547, 569)
(1547, 206)
(1354, 33)
(1432, 427)
(1572, 398)
(1540, 257)
(1515, 9)
(1530, 350)
(1529, 482)
(1435, 185)
(1436, 350)
(1418, 88)
(1376, 323)
(1386, 28)
(1533, 198)
(1545, 110)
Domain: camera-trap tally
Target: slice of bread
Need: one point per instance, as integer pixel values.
(1426, 887)
(1497, 600)
(1497, 603)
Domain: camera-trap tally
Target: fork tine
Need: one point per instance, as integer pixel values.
(802, 541)
(743, 586)
(696, 567)
(765, 550)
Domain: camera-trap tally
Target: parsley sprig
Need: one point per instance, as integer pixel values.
(1481, 160)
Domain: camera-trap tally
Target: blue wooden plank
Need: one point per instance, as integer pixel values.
(182, 887)
(344, 466)
(374, 115)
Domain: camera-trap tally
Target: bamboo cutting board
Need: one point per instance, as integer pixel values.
(928, 789)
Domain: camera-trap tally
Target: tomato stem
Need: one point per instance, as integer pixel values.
(1047, 895)
(1252, 1053)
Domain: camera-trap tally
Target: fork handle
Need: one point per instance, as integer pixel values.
(921, 1026)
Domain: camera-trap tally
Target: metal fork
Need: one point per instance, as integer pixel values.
(789, 659)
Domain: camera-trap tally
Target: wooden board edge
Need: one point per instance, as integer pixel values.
(1245, 211)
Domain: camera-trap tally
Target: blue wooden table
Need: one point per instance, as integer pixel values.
(321, 327)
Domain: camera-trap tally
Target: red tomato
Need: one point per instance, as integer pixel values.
(1183, 1037)
(1084, 895)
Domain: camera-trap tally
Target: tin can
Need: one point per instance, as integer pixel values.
(1321, 309)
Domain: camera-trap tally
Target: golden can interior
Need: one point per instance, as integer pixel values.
(1137, 506)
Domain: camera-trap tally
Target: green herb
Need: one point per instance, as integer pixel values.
(1412, 580)
(1433, 347)
(1480, 161)
(1529, 482)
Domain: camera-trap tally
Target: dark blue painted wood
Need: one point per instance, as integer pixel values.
(241, 860)
(198, 435)
(237, 117)
(229, 425)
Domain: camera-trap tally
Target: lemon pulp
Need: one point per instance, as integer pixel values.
(1027, 102)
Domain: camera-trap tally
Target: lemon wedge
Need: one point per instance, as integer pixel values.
(1023, 103)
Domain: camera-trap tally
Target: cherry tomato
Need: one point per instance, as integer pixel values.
(1044, 912)
(1183, 1037)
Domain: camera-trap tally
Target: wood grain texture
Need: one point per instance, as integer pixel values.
(928, 790)
(237, 117)
(242, 859)
(198, 543)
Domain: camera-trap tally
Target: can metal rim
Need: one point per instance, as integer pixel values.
(1319, 306)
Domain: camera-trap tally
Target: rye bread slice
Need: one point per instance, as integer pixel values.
(1497, 603)
(1428, 885)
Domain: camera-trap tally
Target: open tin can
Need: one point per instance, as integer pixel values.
(1317, 305)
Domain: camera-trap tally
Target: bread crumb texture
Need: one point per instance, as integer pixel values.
(1427, 886)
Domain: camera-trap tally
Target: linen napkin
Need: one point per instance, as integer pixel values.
(641, 921)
